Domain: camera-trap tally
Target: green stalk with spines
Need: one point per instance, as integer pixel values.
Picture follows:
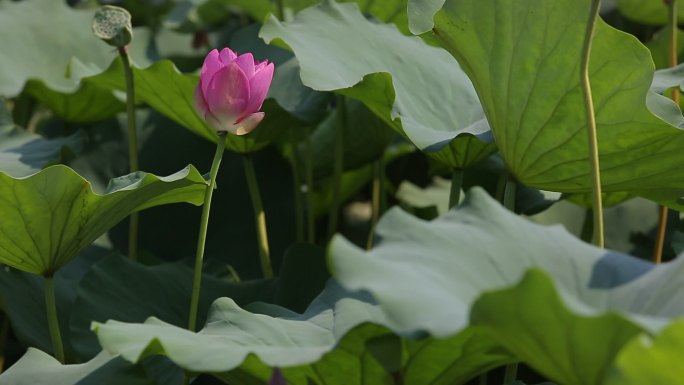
(591, 124)
(259, 217)
(202, 237)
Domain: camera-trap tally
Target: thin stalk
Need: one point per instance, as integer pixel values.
(510, 190)
(202, 237)
(456, 183)
(4, 333)
(376, 199)
(338, 165)
(511, 373)
(591, 124)
(132, 147)
(259, 217)
(660, 235)
(308, 170)
(53, 321)
(280, 5)
(482, 379)
(298, 196)
(662, 222)
(501, 186)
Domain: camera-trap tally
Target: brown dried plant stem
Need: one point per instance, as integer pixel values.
(662, 222)
(591, 124)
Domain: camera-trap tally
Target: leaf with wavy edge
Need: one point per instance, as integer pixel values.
(592, 297)
(232, 334)
(480, 247)
(328, 344)
(523, 59)
(38, 368)
(400, 78)
(651, 359)
(647, 11)
(50, 216)
(532, 321)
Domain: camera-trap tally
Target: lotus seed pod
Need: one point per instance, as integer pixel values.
(113, 25)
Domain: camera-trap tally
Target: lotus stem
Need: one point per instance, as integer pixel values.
(591, 124)
(4, 333)
(376, 199)
(511, 373)
(132, 147)
(510, 192)
(53, 321)
(456, 184)
(338, 165)
(281, 9)
(297, 192)
(202, 237)
(662, 221)
(308, 194)
(259, 217)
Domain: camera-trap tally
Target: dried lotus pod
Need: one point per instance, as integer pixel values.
(113, 25)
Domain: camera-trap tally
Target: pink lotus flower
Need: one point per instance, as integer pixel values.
(231, 91)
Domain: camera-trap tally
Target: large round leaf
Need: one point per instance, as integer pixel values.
(49, 217)
(451, 261)
(651, 360)
(523, 58)
(23, 153)
(417, 88)
(330, 344)
(647, 11)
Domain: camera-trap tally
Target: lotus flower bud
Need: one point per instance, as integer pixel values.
(231, 91)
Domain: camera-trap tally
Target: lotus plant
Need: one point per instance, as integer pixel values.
(229, 95)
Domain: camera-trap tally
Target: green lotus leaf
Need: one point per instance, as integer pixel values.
(332, 343)
(393, 77)
(50, 216)
(63, 51)
(651, 359)
(531, 320)
(647, 11)
(479, 247)
(38, 368)
(23, 153)
(512, 51)
(57, 33)
(22, 296)
(232, 333)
